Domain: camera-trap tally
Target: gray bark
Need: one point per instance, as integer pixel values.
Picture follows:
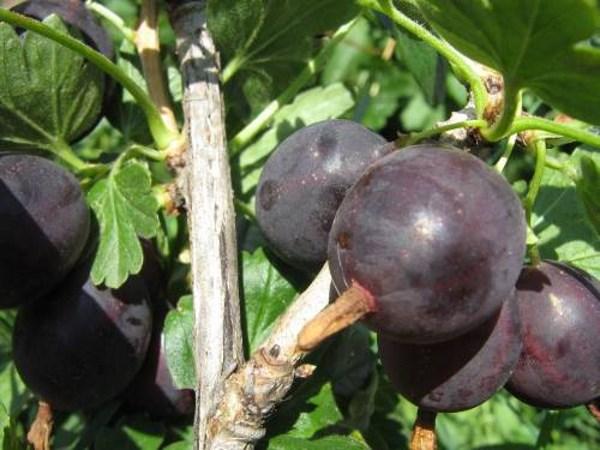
(209, 202)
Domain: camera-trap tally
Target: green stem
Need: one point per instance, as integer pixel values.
(231, 69)
(539, 147)
(112, 18)
(510, 111)
(463, 70)
(66, 153)
(148, 152)
(508, 149)
(537, 123)
(313, 66)
(162, 135)
(413, 138)
(555, 164)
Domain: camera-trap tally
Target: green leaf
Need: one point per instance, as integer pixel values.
(48, 93)
(561, 221)
(79, 430)
(181, 445)
(349, 360)
(4, 425)
(179, 329)
(125, 208)
(349, 57)
(266, 42)
(266, 295)
(13, 393)
(309, 107)
(535, 44)
(392, 86)
(423, 63)
(326, 443)
(134, 433)
(588, 187)
(323, 412)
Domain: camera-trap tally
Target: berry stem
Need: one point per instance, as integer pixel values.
(162, 134)
(508, 149)
(41, 428)
(312, 67)
(351, 306)
(414, 138)
(423, 434)
(538, 146)
(459, 63)
(538, 123)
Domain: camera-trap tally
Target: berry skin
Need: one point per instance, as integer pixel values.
(304, 182)
(83, 345)
(435, 236)
(461, 373)
(559, 366)
(44, 227)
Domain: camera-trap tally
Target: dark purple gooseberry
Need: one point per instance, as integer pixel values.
(82, 346)
(559, 366)
(304, 182)
(435, 236)
(44, 226)
(458, 374)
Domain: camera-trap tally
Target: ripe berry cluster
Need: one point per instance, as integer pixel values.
(433, 242)
(76, 345)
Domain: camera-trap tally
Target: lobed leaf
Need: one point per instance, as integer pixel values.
(266, 42)
(125, 208)
(534, 44)
(48, 93)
